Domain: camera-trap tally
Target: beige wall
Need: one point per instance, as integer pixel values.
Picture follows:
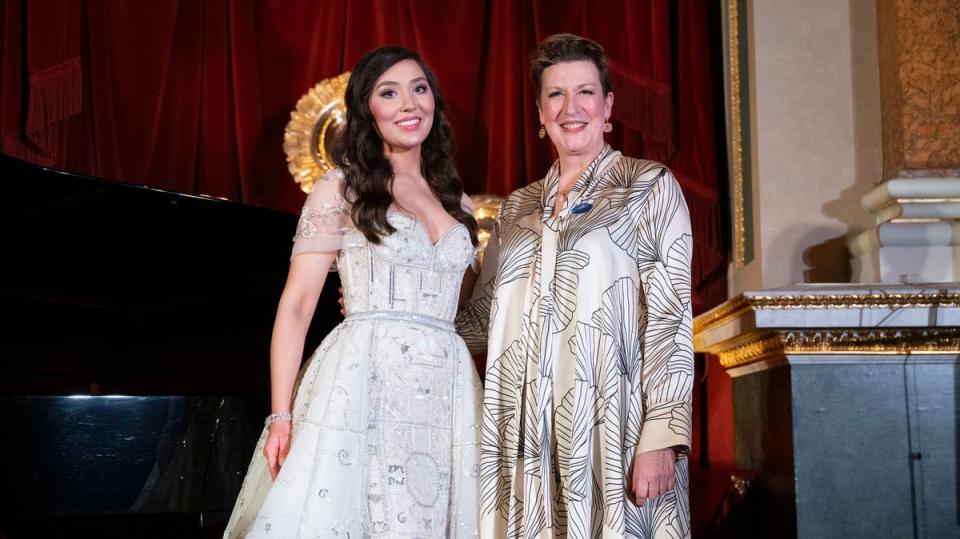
(816, 127)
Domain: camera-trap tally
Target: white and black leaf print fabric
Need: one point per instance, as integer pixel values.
(590, 356)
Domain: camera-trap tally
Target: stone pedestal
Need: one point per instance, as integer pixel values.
(846, 403)
(917, 235)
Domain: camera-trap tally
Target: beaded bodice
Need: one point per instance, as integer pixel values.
(406, 273)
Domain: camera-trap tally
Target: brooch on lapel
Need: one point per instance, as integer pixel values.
(583, 207)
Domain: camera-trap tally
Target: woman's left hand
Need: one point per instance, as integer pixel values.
(653, 474)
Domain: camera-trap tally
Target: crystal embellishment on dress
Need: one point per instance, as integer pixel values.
(316, 221)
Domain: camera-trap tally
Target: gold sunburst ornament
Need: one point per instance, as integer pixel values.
(485, 210)
(314, 124)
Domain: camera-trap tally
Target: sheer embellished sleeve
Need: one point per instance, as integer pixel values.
(323, 218)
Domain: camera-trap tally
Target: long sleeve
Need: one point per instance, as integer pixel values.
(663, 258)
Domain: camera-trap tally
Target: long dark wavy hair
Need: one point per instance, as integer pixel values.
(358, 151)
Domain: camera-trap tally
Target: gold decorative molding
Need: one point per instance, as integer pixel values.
(744, 303)
(736, 134)
(750, 352)
(308, 137)
(855, 301)
(865, 341)
(940, 200)
(486, 207)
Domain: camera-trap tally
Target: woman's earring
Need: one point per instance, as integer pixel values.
(607, 127)
(543, 132)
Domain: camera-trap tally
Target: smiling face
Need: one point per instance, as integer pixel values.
(402, 106)
(573, 108)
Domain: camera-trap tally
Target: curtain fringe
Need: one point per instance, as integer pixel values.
(704, 212)
(646, 106)
(710, 293)
(709, 260)
(56, 93)
(657, 151)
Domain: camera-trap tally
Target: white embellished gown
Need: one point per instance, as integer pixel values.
(386, 411)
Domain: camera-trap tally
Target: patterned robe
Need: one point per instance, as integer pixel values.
(589, 353)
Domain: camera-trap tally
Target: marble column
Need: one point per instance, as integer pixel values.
(916, 206)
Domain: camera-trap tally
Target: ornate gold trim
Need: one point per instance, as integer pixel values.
(915, 220)
(486, 207)
(855, 301)
(750, 352)
(941, 200)
(736, 141)
(742, 303)
(313, 125)
(868, 341)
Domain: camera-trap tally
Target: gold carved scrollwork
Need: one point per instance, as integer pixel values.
(844, 341)
(742, 304)
(750, 352)
(314, 125)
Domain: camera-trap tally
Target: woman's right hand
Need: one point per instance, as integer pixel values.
(277, 446)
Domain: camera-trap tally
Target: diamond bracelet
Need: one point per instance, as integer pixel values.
(282, 416)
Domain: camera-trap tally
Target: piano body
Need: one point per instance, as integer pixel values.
(134, 337)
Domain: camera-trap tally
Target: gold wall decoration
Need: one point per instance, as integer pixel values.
(740, 149)
(486, 207)
(742, 304)
(314, 124)
(747, 330)
(859, 341)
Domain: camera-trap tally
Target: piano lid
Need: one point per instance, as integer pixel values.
(135, 289)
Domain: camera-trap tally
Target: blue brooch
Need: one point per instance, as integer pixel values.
(583, 207)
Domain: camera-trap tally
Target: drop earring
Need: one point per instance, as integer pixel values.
(543, 132)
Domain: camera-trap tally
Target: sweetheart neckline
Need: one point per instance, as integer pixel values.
(424, 230)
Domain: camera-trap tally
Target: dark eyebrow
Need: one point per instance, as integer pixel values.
(395, 83)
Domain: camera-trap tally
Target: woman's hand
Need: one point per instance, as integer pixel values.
(343, 306)
(277, 446)
(653, 474)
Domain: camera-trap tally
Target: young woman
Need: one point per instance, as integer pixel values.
(380, 434)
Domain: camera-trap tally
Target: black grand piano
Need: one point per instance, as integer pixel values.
(134, 337)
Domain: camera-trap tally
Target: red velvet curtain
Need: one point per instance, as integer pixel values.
(193, 95)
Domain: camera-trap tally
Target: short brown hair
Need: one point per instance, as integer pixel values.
(560, 48)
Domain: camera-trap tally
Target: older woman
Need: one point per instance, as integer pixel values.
(586, 283)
